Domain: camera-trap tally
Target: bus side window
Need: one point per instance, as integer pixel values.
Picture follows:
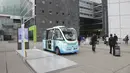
(58, 35)
(50, 33)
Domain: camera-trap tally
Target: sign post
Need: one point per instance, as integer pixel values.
(22, 40)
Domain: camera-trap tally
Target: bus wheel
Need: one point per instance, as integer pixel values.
(76, 52)
(57, 51)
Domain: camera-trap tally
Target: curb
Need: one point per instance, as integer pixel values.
(26, 63)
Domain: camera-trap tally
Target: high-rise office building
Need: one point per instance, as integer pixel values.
(91, 17)
(86, 9)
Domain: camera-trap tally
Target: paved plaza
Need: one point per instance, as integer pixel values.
(10, 62)
(101, 61)
(88, 62)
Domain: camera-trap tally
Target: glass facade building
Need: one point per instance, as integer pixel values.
(27, 8)
(91, 17)
(10, 7)
(16, 7)
(11, 13)
(86, 8)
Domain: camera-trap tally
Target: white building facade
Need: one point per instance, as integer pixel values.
(119, 17)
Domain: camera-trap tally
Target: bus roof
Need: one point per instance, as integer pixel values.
(55, 27)
(58, 26)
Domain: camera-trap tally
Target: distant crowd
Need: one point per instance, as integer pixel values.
(111, 41)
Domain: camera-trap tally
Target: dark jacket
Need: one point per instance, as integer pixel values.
(79, 38)
(94, 40)
(115, 38)
(127, 38)
(112, 41)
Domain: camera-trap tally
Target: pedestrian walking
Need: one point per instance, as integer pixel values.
(1, 35)
(126, 39)
(103, 37)
(112, 43)
(115, 38)
(107, 39)
(93, 42)
(79, 40)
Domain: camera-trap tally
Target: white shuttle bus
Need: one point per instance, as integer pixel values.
(60, 40)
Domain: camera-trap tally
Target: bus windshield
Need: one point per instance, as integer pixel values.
(69, 33)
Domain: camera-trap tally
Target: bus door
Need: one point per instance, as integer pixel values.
(57, 37)
(49, 39)
(53, 41)
(44, 40)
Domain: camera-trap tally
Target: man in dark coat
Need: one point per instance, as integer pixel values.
(126, 39)
(79, 39)
(112, 43)
(115, 38)
(93, 42)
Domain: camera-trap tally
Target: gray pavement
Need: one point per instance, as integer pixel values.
(10, 62)
(101, 61)
(88, 62)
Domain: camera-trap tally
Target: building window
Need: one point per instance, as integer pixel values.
(57, 13)
(50, 2)
(85, 14)
(57, 5)
(57, 22)
(51, 22)
(16, 20)
(68, 22)
(68, 14)
(85, 8)
(63, 22)
(43, 21)
(42, 11)
(43, 2)
(50, 12)
(89, 3)
(63, 13)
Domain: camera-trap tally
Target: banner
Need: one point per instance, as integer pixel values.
(25, 35)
